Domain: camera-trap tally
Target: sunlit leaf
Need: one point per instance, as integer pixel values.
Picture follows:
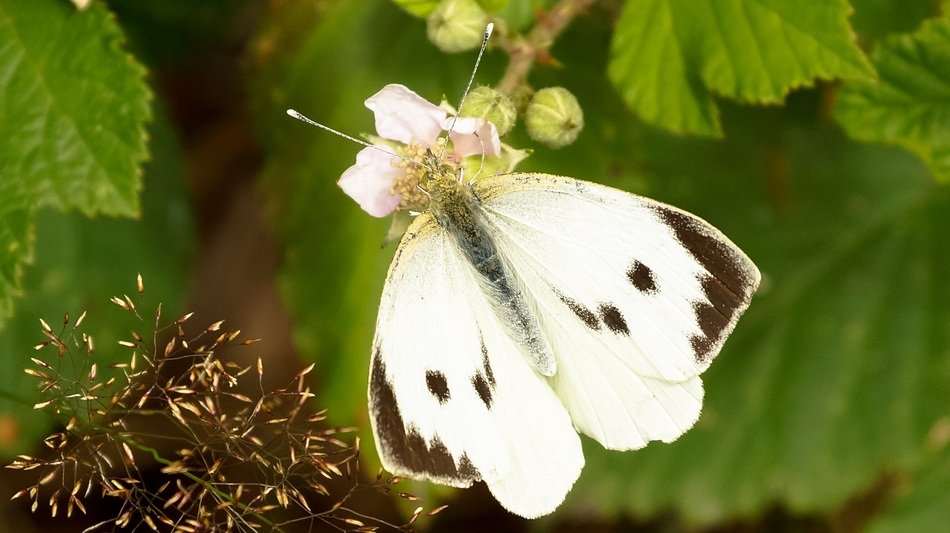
(670, 56)
(910, 104)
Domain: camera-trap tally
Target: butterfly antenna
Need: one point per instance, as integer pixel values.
(478, 59)
(297, 115)
(471, 79)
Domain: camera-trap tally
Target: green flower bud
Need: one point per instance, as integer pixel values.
(554, 117)
(491, 105)
(457, 25)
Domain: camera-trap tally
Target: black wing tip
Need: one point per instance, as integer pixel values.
(401, 446)
(731, 281)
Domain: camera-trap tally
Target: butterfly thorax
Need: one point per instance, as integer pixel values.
(458, 210)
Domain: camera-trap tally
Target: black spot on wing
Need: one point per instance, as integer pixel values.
(438, 386)
(586, 315)
(406, 446)
(613, 318)
(486, 364)
(484, 381)
(641, 277)
(608, 314)
(483, 389)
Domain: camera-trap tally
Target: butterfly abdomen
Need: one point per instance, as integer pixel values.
(459, 212)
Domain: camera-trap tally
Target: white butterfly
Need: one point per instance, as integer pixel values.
(521, 309)
(528, 307)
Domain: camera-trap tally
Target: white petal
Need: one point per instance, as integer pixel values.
(370, 181)
(404, 116)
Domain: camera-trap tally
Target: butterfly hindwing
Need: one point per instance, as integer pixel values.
(451, 398)
(635, 297)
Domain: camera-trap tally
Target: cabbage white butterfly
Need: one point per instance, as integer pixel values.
(523, 308)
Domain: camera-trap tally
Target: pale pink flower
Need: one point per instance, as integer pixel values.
(404, 116)
(407, 118)
(370, 181)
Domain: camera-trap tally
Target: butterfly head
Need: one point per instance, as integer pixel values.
(424, 177)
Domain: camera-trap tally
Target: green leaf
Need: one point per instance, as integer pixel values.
(926, 505)
(909, 105)
(73, 109)
(80, 263)
(669, 56)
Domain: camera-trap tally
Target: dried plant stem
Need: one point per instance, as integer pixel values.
(524, 51)
(242, 462)
(207, 485)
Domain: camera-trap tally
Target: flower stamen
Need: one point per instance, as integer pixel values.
(417, 166)
(423, 147)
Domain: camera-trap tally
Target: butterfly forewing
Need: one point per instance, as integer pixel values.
(451, 397)
(635, 297)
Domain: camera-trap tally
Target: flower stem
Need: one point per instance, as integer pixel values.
(525, 50)
(205, 483)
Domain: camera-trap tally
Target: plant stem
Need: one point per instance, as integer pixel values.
(207, 485)
(525, 50)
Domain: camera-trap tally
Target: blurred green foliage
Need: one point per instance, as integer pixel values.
(830, 171)
(73, 110)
